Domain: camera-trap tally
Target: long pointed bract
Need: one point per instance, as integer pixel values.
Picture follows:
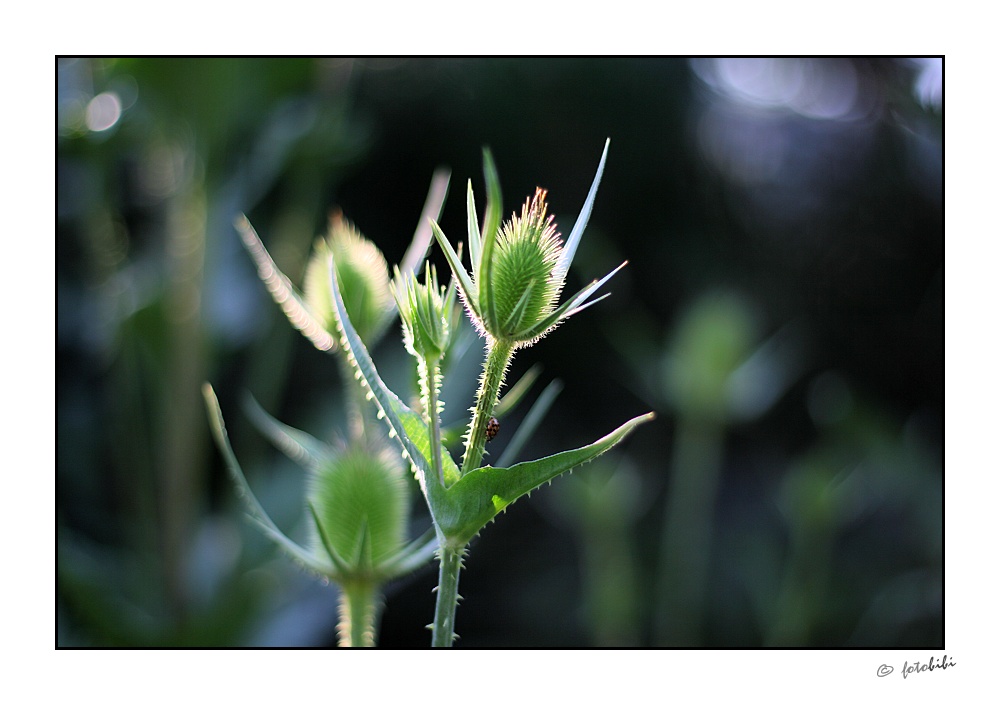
(569, 250)
(282, 290)
(466, 284)
(297, 445)
(436, 195)
(253, 506)
(491, 225)
(475, 238)
(416, 554)
(572, 305)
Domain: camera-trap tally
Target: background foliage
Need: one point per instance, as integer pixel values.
(782, 312)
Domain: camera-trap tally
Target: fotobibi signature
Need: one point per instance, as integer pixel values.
(909, 669)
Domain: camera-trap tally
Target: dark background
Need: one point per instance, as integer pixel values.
(782, 312)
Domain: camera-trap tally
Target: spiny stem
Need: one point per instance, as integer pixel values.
(358, 608)
(434, 419)
(443, 629)
(497, 359)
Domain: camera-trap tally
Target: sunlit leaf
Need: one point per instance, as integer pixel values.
(480, 495)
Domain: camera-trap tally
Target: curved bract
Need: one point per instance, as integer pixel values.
(358, 507)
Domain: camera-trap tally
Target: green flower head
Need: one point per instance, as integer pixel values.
(364, 275)
(425, 310)
(360, 508)
(519, 268)
(524, 264)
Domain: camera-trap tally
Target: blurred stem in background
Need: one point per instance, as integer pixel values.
(600, 506)
(181, 475)
(811, 497)
(687, 532)
(711, 341)
(860, 465)
(715, 375)
(149, 196)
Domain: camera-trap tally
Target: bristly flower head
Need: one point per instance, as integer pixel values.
(424, 310)
(360, 507)
(524, 265)
(363, 274)
(519, 269)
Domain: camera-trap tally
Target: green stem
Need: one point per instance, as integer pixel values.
(434, 418)
(358, 608)
(497, 359)
(443, 629)
(687, 538)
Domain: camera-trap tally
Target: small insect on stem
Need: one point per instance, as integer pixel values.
(492, 428)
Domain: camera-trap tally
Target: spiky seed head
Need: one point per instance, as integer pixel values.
(425, 311)
(362, 273)
(519, 268)
(522, 278)
(361, 505)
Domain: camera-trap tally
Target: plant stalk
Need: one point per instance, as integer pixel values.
(497, 360)
(687, 538)
(434, 419)
(443, 629)
(358, 609)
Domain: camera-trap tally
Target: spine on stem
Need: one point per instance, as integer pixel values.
(443, 629)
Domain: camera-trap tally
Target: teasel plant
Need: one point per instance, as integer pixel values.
(358, 499)
(511, 296)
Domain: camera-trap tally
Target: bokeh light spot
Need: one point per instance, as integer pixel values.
(103, 112)
(821, 89)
